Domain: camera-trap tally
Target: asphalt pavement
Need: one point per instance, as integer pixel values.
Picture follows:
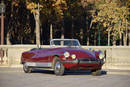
(15, 77)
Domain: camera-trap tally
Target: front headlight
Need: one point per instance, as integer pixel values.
(73, 56)
(66, 54)
(101, 55)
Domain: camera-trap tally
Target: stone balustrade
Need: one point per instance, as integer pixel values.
(117, 57)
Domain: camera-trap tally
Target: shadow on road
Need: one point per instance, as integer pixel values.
(69, 72)
(83, 73)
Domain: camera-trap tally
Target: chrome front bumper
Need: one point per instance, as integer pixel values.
(84, 60)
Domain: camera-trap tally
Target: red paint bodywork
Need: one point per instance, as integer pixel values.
(47, 55)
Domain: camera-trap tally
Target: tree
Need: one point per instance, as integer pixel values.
(60, 7)
(113, 17)
(35, 9)
(89, 10)
(49, 8)
(17, 19)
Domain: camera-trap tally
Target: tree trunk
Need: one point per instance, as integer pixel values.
(108, 38)
(126, 33)
(37, 27)
(62, 29)
(114, 40)
(21, 40)
(95, 38)
(120, 35)
(87, 30)
(37, 30)
(129, 37)
(51, 32)
(62, 33)
(8, 39)
(87, 40)
(9, 27)
(99, 36)
(120, 39)
(124, 39)
(62, 36)
(81, 35)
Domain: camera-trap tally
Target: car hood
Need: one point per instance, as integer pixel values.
(81, 53)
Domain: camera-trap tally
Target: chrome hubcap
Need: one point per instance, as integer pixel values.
(57, 67)
(25, 67)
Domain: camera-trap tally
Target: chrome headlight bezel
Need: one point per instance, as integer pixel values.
(101, 55)
(66, 54)
(73, 56)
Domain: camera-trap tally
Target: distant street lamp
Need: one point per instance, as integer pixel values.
(2, 11)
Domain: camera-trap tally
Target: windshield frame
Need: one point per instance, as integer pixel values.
(53, 46)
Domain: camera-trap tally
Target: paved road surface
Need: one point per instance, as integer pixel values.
(11, 77)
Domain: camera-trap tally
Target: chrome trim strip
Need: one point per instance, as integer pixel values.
(34, 64)
(89, 61)
(79, 61)
(73, 61)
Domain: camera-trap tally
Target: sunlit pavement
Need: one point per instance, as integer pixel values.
(15, 77)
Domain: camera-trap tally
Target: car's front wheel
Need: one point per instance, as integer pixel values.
(58, 68)
(26, 68)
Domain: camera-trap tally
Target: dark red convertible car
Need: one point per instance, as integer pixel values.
(63, 54)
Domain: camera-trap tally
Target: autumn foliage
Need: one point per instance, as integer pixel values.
(85, 20)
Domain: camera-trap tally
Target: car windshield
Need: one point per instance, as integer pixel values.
(65, 43)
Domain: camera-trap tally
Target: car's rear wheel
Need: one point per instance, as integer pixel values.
(26, 68)
(58, 67)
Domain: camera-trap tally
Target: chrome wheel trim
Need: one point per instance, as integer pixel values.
(57, 67)
(25, 67)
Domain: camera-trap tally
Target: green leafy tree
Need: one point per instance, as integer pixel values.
(113, 17)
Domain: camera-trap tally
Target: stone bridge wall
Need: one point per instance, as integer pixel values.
(117, 57)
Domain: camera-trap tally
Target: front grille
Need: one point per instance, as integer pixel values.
(89, 60)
